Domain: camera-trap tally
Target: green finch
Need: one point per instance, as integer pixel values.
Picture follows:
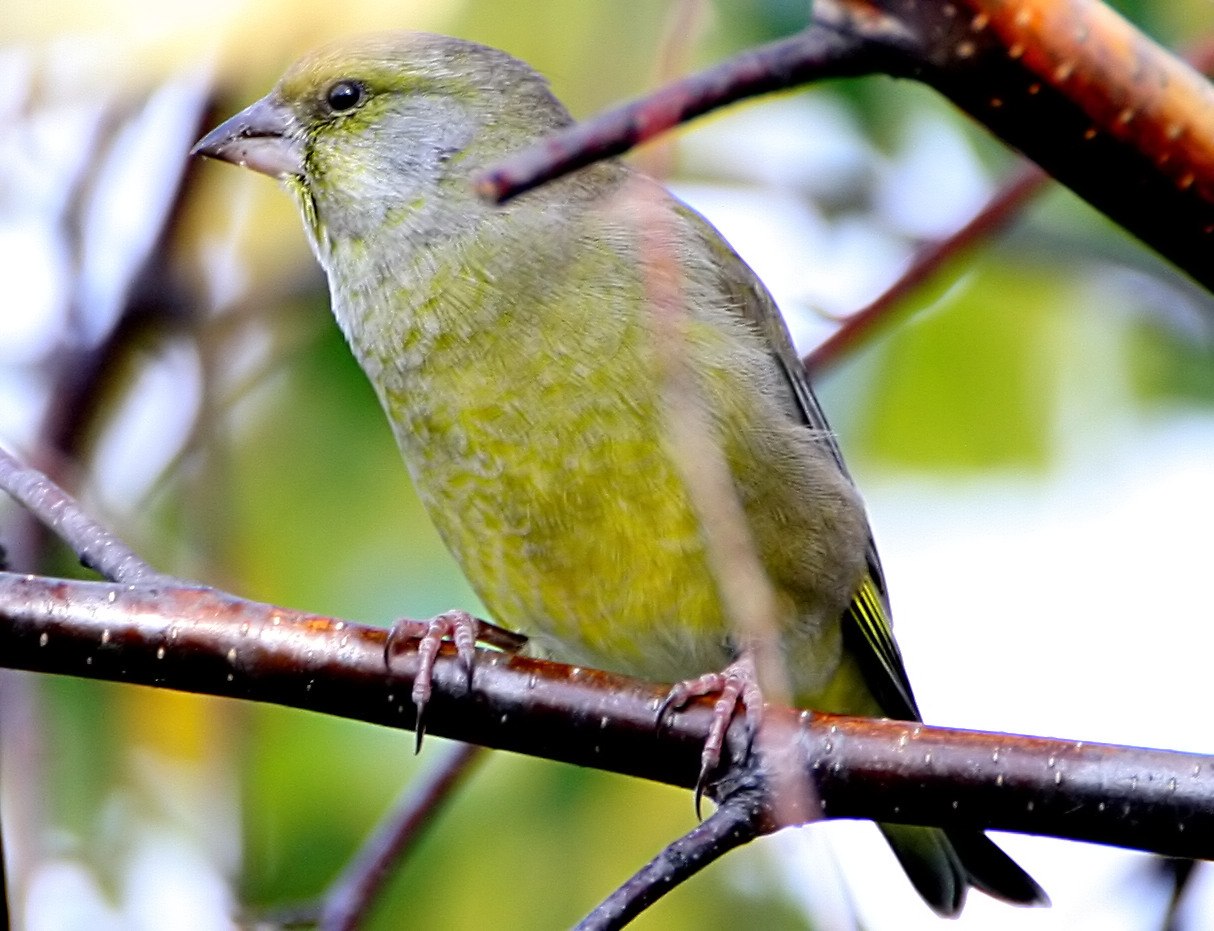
(525, 368)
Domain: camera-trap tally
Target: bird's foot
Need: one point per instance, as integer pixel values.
(736, 686)
(463, 629)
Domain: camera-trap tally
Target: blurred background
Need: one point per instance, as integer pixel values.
(1033, 431)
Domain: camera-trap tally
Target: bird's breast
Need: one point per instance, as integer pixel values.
(551, 486)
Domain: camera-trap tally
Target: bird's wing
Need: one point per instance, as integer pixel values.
(867, 633)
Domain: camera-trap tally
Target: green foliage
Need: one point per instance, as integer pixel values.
(1173, 364)
(571, 55)
(79, 713)
(746, 22)
(313, 789)
(970, 381)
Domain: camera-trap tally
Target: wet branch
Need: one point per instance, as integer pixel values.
(161, 633)
(206, 641)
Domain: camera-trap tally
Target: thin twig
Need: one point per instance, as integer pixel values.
(738, 821)
(1003, 207)
(352, 893)
(748, 599)
(4, 892)
(807, 56)
(683, 24)
(97, 546)
(76, 375)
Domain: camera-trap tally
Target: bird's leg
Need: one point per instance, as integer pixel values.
(463, 629)
(736, 686)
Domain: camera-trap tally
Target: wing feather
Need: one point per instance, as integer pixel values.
(867, 632)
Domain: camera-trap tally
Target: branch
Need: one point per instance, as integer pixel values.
(1097, 104)
(97, 546)
(1003, 207)
(807, 56)
(350, 896)
(738, 821)
(202, 640)
(1126, 125)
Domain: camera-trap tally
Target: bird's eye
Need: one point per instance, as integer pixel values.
(345, 95)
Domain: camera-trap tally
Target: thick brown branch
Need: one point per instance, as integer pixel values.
(1075, 87)
(1102, 108)
(205, 641)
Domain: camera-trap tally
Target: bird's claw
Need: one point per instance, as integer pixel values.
(460, 626)
(735, 686)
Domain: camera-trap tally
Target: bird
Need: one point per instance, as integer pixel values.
(525, 367)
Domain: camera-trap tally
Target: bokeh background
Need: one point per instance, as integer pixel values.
(1033, 430)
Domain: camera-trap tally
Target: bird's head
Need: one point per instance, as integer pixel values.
(384, 131)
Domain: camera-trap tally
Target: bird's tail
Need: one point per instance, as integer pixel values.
(943, 864)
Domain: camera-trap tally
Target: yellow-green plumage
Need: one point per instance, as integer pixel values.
(531, 428)
(519, 355)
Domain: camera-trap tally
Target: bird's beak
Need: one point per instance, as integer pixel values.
(263, 137)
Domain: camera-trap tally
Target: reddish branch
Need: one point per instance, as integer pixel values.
(1098, 105)
(201, 640)
(1000, 210)
(806, 57)
(1109, 113)
(198, 639)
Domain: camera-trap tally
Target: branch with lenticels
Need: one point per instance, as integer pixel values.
(1101, 107)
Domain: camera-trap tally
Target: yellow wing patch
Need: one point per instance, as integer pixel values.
(867, 635)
